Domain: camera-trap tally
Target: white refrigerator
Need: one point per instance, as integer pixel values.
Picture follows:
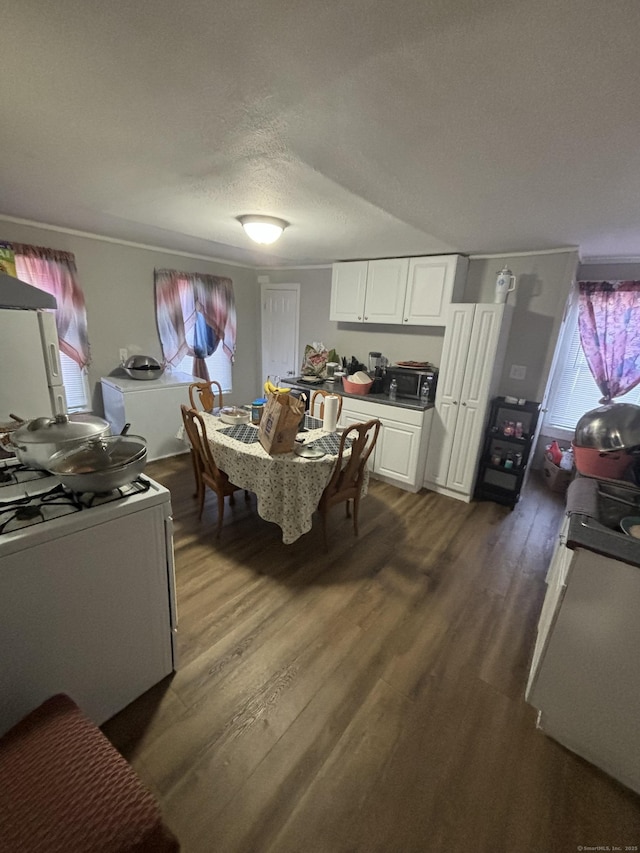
(30, 374)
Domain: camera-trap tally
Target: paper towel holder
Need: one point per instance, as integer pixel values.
(322, 394)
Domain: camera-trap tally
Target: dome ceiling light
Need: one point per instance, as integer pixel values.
(262, 229)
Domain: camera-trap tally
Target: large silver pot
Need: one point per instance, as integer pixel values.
(101, 464)
(615, 426)
(36, 441)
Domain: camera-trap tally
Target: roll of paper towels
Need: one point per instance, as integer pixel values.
(330, 413)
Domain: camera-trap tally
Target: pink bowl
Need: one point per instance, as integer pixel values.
(361, 388)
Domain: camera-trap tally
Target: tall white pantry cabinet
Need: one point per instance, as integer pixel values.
(472, 358)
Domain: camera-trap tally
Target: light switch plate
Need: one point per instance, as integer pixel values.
(518, 371)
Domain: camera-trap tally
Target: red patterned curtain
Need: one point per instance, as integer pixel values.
(196, 314)
(55, 272)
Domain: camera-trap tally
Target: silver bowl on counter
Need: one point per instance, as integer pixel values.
(615, 426)
(143, 367)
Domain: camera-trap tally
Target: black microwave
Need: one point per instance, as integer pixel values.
(410, 382)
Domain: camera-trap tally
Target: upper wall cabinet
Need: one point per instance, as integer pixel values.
(433, 283)
(415, 291)
(369, 291)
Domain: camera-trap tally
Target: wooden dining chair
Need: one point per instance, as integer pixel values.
(205, 468)
(347, 477)
(321, 394)
(206, 395)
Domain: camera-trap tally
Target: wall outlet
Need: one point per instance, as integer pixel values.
(518, 371)
(124, 355)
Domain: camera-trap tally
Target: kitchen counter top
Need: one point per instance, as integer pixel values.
(336, 388)
(586, 529)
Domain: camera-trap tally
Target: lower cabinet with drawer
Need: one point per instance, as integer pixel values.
(400, 453)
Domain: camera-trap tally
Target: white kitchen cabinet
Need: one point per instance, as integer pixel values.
(472, 357)
(369, 291)
(433, 283)
(585, 675)
(348, 288)
(151, 407)
(415, 291)
(400, 452)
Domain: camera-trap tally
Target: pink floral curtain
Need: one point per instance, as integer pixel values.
(196, 314)
(55, 272)
(609, 324)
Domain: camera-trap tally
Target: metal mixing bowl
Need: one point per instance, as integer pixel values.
(615, 426)
(143, 367)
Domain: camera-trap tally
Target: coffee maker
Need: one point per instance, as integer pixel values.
(375, 362)
(377, 365)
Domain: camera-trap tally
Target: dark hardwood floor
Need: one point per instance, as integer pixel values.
(366, 699)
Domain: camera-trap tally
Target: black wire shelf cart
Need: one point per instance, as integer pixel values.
(506, 449)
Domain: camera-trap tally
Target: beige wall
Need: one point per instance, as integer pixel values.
(118, 284)
(117, 281)
(543, 284)
(542, 288)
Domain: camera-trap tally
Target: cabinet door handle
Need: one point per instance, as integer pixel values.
(366, 318)
(359, 318)
(455, 402)
(406, 319)
(464, 404)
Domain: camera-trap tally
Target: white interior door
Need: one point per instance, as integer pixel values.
(280, 329)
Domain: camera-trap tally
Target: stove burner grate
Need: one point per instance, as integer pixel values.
(26, 511)
(14, 474)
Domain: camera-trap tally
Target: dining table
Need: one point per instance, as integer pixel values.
(288, 486)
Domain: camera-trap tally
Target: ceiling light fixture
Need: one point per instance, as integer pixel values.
(262, 229)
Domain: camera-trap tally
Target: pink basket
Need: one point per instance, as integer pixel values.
(361, 388)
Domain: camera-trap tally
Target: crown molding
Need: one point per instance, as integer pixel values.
(603, 259)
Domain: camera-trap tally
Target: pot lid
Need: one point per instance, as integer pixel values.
(60, 428)
(104, 453)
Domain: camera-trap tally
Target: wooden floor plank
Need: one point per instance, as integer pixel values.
(369, 698)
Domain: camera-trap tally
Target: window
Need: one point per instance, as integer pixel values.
(196, 318)
(573, 388)
(218, 366)
(55, 273)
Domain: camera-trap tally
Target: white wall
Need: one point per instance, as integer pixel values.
(117, 281)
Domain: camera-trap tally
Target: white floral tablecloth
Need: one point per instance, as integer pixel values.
(288, 487)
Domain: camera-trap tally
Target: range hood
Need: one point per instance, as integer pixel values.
(18, 294)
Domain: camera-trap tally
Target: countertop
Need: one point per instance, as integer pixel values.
(336, 388)
(585, 531)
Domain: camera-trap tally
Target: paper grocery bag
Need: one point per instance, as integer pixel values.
(280, 423)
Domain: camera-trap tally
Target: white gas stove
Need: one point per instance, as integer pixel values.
(35, 507)
(87, 592)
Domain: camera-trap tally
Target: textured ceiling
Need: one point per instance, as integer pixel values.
(376, 128)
